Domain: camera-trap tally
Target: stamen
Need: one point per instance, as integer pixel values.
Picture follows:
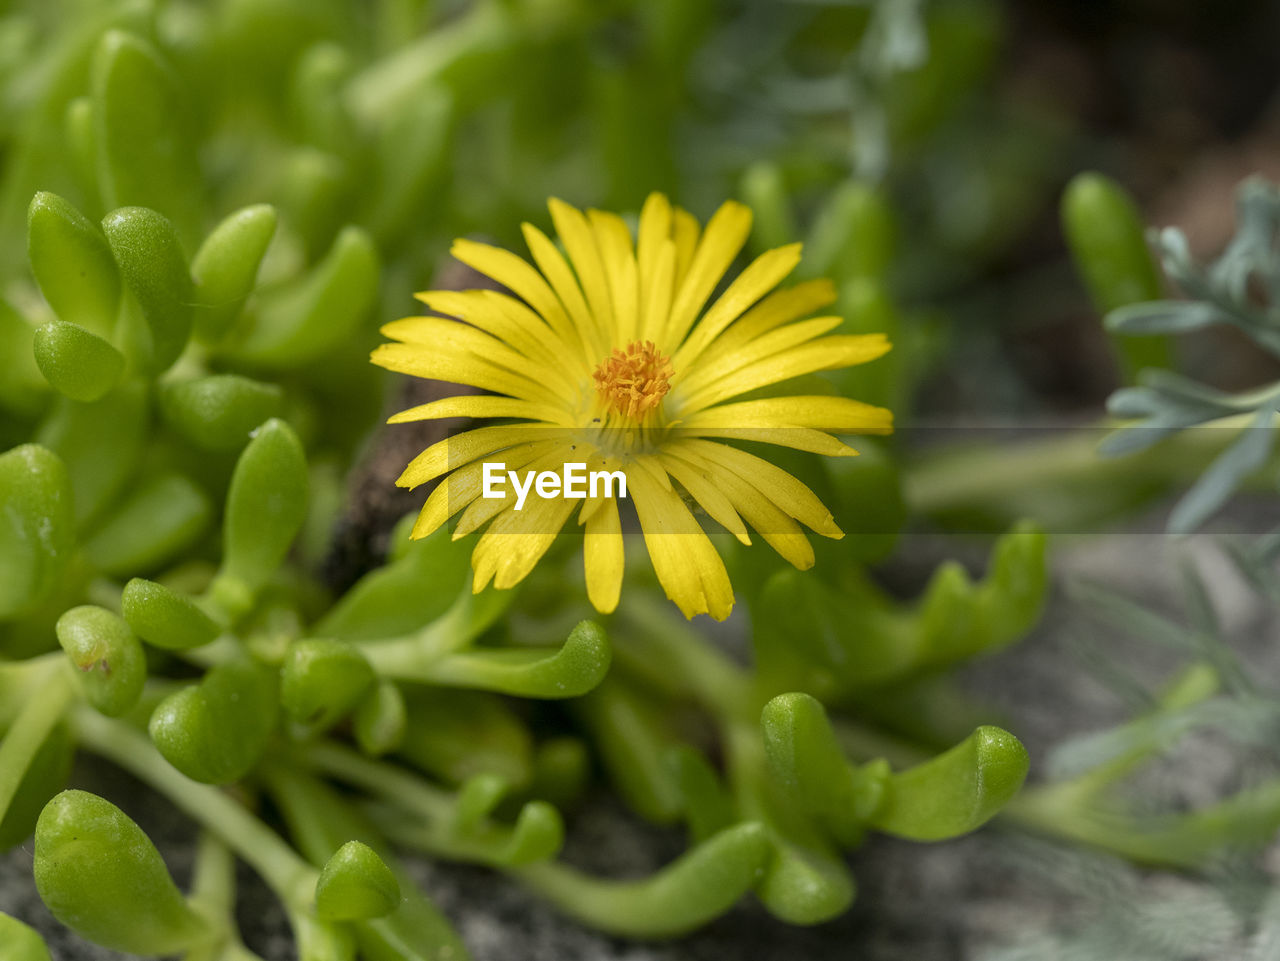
(633, 382)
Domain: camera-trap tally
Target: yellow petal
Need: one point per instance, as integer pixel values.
(726, 233)
(460, 489)
(780, 307)
(518, 276)
(768, 520)
(797, 438)
(685, 231)
(688, 567)
(516, 540)
(764, 273)
(840, 415)
(613, 240)
(790, 494)
(453, 452)
(826, 353)
(503, 317)
(603, 556)
(656, 294)
(653, 233)
(580, 243)
(419, 361)
(553, 265)
(725, 364)
(482, 405)
(701, 485)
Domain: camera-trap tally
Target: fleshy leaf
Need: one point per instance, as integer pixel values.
(100, 875)
(225, 268)
(73, 264)
(109, 661)
(163, 618)
(37, 530)
(356, 885)
(215, 731)
(76, 361)
(957, 791)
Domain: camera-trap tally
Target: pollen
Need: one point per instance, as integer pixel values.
(633, 382)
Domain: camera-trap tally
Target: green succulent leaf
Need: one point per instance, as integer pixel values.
(37, 529)
(409, 592)
(225, 268)
(216, 731)
(266, 505)
(144, 150)
(355, 885)
(218, 412)
(694, 889)
(147, 250)
(100, 875)
(164, 618)
(322, 681)
(708, 807)
(73, 264)
(1107, 239)
(569, 671)
(298, 324)
(76, 361)
(152, 525)
(109, 661)
(810, 770)
(380, 719)
(805, 885)
(100, 443)
(854, 234)
(957, 791)
(21, 943)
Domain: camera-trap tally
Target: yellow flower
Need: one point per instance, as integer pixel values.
(606, 358)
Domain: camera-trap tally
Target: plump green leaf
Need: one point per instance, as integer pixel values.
(764, 189)
(219, 411)
(810, 770)
(216, 731)
(957, 791)
(164, 618)
(355, 885)
(1107, 238)
(77, 361)
(109, 661)
(73, 264)
(296, 325)
(321, 681)
(689, 892)
(266, 505)
(147, 250)
(568, 671)
(100, 443)
(145, 148)
(152, 525)
(100, 875)
(380, 719)
(21, 943)
(412, 590)
(225, 268)
(805, 885)
(37, 529)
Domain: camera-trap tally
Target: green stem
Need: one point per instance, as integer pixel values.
(379, 778)
(41, 712)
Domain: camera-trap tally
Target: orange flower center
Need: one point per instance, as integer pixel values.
(633, 382)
